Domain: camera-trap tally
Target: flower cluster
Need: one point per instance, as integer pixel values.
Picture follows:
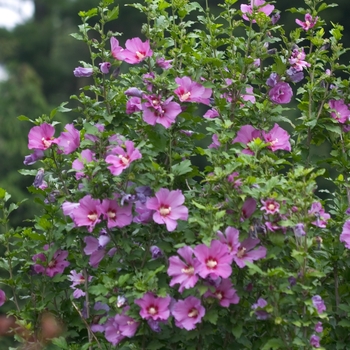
(158, 241)
(277, 138)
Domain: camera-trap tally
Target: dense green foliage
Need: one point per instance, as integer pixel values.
(216, 49)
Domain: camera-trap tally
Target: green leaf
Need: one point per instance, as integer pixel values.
(344, 323)
(12, 207)
(88, 14)
(60, 342)
(333, 128)
(2, 193)
(182, 168)
(28, 172)
(107, 2)
(99, 289)
(237, 331)
(211, 316)
(163, 5)
(277, 238)
(202, 289)
(63, 109)
(24, 118)
(155, 345)
(199, 206)
(77, 36)
(122, 279)
(324, 6)
(274, 343)
(113, 14)
(253, 269)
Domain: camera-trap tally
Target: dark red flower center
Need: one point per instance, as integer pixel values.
(188, 270)
(152, 310)
(211, 263)
(92, 216)
(193, 313)
(241, 252)
(164, 210)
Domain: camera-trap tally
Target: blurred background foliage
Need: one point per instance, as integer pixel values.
(39, 57)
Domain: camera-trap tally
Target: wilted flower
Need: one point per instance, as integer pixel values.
(133, 91)
(299, 230)
(121, 300)
(156, 252)
(34, 157)
(162, 63)
(154, 325)
(105, 67)
(81, 72)
(39, 178)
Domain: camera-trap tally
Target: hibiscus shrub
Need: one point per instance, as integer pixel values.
(183, 207)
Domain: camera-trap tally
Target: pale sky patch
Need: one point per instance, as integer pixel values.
(13, 12)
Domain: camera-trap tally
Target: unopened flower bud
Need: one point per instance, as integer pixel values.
(105, 67)
(39, 178)
(275, 18)
(121, 301)
(156, 252)
(154, 325)
(299, 230)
